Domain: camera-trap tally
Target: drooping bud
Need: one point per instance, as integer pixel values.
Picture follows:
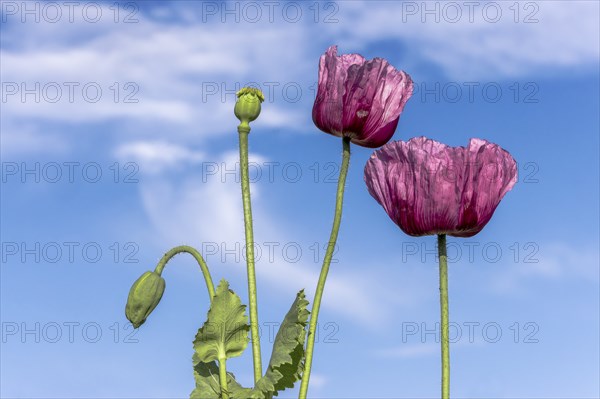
(247, 107)
(144, 295)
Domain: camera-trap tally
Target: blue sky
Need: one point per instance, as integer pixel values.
(129, 132)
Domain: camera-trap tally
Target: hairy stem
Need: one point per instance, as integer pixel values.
(192, 251)
(325, 268)
(443, 258)
(252, 295)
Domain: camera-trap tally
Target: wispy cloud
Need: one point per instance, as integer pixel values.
(209, 207)
(492, 41)
(26, 138)
(167, 73)
(409, 351)
(157, 156)
(154, 76)
(424, 349)
(560, 260)
(552, 261)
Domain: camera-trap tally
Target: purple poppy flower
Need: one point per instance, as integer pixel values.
(427, 187)
(360, 99)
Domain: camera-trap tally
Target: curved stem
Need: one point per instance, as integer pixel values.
(325, 268)
(443, 258)
(192, 251)
(223, 377)
(252, 296)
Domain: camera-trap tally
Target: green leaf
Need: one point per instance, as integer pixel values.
(286, 364)
(246, 393)
(225, 332)
(208, 385)
(207, 380)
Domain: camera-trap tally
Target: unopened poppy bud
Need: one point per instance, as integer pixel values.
(144, 295)
(247, 107)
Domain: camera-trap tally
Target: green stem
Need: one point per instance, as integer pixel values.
(252, 296)
(325, 269)
(444, 315)
(184, 248)
(223, 377)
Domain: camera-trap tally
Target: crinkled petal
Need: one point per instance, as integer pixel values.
(393, 91)
(491, 172)
(328, 107)
(359, 99)
(427, 187)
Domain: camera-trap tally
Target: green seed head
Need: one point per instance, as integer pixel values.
(247, 107)
(144, 295)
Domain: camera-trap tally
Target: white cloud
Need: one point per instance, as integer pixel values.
(551, 261)
(317, 381)
(409, 351)
(561, 260)
(275, 116)
(208, 208)
(25, 138)
(158, 76)
(157, 156)
(426, 349)
(183, 72)
(566, 35)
